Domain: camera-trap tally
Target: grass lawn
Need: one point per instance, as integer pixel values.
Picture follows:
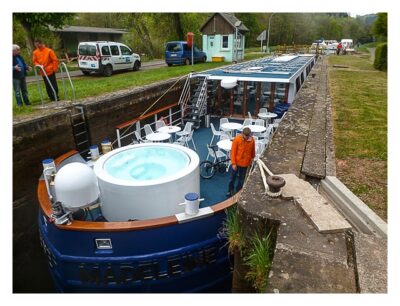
(95, 85)
(359, 96)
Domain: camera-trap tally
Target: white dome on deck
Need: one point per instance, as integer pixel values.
(228, 83)
(76, 186)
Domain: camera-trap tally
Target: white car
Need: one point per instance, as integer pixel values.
(105, 57)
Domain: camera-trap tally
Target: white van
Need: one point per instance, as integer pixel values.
(105, 57)
(347, 43)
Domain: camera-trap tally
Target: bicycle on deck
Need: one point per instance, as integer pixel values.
(208, 168)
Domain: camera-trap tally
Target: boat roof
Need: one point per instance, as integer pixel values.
(282, 69)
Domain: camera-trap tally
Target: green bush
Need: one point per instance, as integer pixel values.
(380, 62)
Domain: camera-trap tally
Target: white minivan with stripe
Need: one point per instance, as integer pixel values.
(105, 57)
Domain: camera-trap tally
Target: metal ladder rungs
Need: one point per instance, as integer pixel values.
(77, 124)
(80, 133)
(78, 144)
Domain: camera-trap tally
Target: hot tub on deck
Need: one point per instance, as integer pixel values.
(146, 181)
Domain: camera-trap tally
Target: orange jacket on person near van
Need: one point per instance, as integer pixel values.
(243, 151)
(47, 58)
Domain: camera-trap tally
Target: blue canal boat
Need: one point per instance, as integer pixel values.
(138, 217)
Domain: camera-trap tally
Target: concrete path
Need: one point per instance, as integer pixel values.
(77, 73)
(372, 51)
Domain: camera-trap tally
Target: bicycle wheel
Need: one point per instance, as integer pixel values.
(207, 169)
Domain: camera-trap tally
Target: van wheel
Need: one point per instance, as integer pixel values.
(136, 66)
(169, 65)
(204, 59)
(108, 70)
(187, 61)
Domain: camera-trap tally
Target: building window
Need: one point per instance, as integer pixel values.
(225, 41)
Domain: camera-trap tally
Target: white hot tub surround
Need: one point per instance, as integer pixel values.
(159, 195)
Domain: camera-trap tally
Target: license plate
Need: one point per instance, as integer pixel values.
(173, 55)
(83, 63)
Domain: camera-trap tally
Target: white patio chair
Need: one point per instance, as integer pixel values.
(159, 124)
(263, 110)
(221, 122)
(259, 122)
(148, 130)
(247, 122)
(215, 133)
(186, 130)
(185, 139)
(218, 154)
(139, 138)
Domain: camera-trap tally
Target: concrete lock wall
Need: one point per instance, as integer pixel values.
(50, 136)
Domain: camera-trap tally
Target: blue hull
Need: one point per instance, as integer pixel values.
(185, 257)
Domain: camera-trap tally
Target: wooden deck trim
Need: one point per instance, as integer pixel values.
(86, 226)
(130, 122)
(227, 203)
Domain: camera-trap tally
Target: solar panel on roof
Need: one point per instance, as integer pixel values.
(272, 67)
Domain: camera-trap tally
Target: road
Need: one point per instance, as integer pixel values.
(77, 73)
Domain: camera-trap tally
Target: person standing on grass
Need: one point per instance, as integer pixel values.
(243, 152)
(339, 48)
(19, 74)
(46, 57)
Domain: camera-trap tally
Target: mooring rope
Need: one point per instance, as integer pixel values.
(145, 112)
(263, 168)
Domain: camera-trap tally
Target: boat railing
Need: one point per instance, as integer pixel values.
(127, 129)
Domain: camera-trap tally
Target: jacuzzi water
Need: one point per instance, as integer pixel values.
(146, 163)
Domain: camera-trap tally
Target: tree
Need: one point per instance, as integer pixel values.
(34, 24)
(380, 26)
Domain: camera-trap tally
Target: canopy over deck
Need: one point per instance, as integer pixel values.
(282, 69)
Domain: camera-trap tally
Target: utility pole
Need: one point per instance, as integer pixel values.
(237, 25)
(269, 26)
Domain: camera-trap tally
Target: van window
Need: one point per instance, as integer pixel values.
(105, 50)
(186, 47)
(125, 50)
(87, 50)
(174, 47)
(114, 50)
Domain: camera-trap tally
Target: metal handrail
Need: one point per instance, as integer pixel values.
(139, 128)
(185, 95)
(70, 81)
(40, 88)
(203, 98)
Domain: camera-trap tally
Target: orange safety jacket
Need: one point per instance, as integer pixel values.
(47, 58)
(243, 151)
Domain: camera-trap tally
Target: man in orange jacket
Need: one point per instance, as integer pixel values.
(242, 154)
(47, 58)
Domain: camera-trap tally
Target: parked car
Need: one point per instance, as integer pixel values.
(106, 57)
(178, 52)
